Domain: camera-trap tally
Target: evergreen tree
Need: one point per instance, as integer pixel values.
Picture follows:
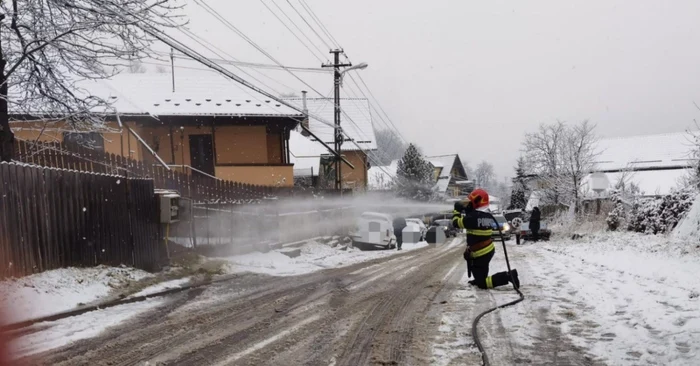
(415, 176)
(518, 197)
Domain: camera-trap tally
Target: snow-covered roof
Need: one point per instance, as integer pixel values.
(650, 182)
(196, 94)
(305, 154)
(647, 151)
(381, 178)
(446, 162)
(442, 184)
(358, 127)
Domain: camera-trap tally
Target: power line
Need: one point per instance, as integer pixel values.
(219, 17)
(380, 106)
(253, 65)
(292, 32)
(208, 45)
(318, 21)
(307, 23)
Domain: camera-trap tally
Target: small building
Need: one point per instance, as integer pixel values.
(655, 164)
(451, 178)
(359, 140)
(208, 125)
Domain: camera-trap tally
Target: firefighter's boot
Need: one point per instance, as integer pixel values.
(514, 278)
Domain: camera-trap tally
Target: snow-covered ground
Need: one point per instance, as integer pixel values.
(314, 257)
(60, 290)
(609, 298)
(167, 285)
(58, 333)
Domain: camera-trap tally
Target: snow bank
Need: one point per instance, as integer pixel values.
(59, 290)
(167, 285)
(62, 332)
(689, 227)
(314, 257)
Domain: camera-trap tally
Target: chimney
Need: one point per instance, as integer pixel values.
(305, 122)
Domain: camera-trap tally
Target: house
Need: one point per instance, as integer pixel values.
(359, 140)
(208, 125)
(451, 178)
(653, 163)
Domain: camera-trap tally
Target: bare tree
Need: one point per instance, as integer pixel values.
(562, 156)
(578, 158)
(161, 69)
(543, 151)
(484, 175)
(49, 46)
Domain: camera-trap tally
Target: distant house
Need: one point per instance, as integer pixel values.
(208, 125)
(654, 163)
(451, 178)
(359, 139)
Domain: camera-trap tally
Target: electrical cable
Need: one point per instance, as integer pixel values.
(290, 30)
(307, 23)
(318, 21)
(224, 21)
(475, 332)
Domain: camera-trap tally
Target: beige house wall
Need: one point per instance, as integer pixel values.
(355, 178)
(261, 175)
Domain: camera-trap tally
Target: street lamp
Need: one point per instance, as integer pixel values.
(360, 66)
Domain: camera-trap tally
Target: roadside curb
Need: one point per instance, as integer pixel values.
(110, 304)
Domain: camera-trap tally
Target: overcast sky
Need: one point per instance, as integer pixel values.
(473, 77)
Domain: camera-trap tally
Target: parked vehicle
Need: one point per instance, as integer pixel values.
(450, 231)
(374, 229)
(510, 215)
(421, 226)
(526, 234)
(504, 226)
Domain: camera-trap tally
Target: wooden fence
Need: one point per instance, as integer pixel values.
(52, 218)
(195, 186)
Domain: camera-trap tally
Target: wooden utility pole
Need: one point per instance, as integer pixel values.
(338, 132)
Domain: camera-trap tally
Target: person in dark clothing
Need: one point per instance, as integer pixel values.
(473, 217)
(535, 223)
(399, 225)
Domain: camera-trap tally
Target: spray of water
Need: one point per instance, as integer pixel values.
(235, 229)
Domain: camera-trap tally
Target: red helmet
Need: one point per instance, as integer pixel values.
(479, 198)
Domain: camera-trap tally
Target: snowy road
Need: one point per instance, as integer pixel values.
(587, 303)
(367, 313)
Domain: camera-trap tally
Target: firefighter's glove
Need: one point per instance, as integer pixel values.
(459, 206)
(466, 255)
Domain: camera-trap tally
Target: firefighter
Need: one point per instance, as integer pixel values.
(480, 248)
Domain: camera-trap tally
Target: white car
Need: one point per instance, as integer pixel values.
(376, 229)
(421, 226)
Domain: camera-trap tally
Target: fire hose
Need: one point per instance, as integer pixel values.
(475, 333)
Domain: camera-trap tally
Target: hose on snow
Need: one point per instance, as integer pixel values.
(475, 333)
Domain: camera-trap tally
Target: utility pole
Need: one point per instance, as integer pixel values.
(338, 132)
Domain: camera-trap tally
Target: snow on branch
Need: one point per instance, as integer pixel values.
(48, 47)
